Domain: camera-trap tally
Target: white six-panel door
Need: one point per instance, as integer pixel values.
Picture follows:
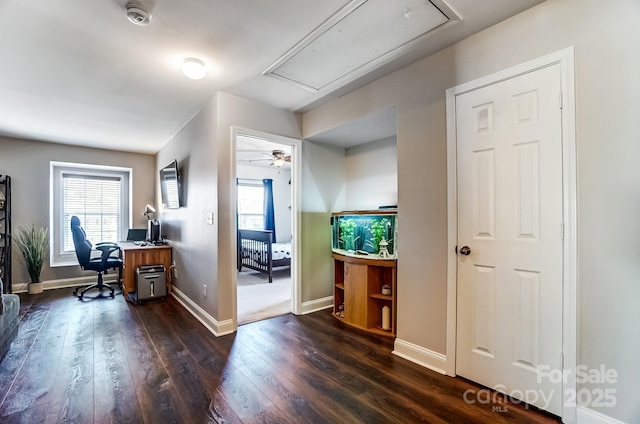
(509, 164)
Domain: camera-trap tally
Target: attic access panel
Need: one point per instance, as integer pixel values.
(363, 34)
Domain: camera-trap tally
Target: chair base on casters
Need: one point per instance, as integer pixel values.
(100, 285)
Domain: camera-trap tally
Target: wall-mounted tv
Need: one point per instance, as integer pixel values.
(170, 186)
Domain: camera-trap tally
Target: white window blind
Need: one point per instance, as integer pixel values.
(251, 205)
(100, 196)
(96, 200)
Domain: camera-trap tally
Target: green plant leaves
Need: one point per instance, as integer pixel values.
(33, 244)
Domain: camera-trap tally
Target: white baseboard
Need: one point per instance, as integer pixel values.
(589, 416)
(316, 305)
(424, 357)
(217, 328)
(63, 283)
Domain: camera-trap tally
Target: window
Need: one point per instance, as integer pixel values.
(250, 205)
(98, 195)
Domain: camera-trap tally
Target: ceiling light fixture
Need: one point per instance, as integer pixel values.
(193, 68)
(278, 162)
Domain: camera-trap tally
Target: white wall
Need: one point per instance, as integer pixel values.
(607, 61)
(205, 254)
(281, 194)
(337, 179)
(194, 242)
(323, 192)
(372, 175)
(237, 112)
(27, 162)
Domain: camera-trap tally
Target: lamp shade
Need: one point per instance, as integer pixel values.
(148, 210)
(278, 162)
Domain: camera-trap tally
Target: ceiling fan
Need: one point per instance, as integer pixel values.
(277, 158)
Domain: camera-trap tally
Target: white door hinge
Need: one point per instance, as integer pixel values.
(561, 101)
(562, 231)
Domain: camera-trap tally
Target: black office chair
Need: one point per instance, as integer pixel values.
(107, 260)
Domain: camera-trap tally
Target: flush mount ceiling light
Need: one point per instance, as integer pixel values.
(193, 68)
(137, 15)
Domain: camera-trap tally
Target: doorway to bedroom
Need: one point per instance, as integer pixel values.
(264, 198)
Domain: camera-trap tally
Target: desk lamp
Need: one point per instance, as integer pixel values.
(148, 210)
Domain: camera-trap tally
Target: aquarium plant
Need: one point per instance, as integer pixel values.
(347, 231)
(378, 229)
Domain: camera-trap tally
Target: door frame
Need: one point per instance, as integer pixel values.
(565, 58)
(296, 185)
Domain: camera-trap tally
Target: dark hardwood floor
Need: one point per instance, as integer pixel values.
(108, 361)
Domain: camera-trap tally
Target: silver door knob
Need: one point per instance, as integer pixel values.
(465, 250)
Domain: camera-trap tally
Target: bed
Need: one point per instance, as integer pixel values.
(257, 251)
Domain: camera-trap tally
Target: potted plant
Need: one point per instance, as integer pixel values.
(33, 244)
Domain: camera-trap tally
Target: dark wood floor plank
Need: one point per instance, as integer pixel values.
(17, 354)
(194, 400)
(315, 380)
(71, 397)
(115, 395)
(386, 390)
(211, 363)
(34, 415)
(426, 385)
(238, 391)
(34, 382)
(151, 380)
(274, 415)
(109, 361)
(40, 352)
(280, 390)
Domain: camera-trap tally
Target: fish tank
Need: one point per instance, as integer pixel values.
(372, 234)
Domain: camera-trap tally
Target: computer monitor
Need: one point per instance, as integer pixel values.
(137, 234)
(153, 231)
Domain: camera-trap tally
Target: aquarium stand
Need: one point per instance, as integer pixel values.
(358, 298)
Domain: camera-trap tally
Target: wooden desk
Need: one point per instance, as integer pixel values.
(134, 256)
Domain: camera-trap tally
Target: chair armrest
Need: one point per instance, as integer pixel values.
(107, 249)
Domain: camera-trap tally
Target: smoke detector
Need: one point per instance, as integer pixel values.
(137, 15)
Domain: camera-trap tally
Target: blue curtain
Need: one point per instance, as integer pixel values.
(269, 216)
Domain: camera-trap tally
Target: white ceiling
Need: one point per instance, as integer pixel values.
(78, 72)
(375, 126)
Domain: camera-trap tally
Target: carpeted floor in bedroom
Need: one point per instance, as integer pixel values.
(258, 299)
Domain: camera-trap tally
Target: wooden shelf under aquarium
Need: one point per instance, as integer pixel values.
(358, 298)
(381, 296)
